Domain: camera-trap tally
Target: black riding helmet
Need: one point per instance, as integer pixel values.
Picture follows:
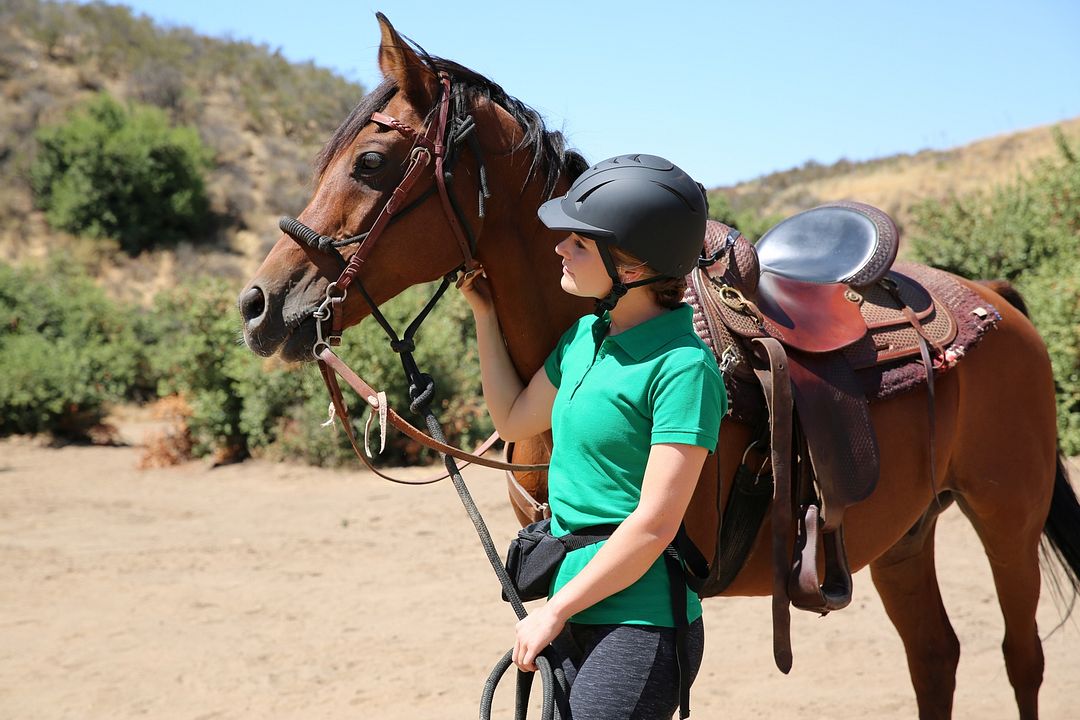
(642, 204)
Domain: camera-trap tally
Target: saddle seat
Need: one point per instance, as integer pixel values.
(799, 274)
(845, 242)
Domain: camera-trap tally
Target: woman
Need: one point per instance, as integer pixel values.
(634, 400)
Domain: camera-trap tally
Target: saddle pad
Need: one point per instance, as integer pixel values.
(973, 317)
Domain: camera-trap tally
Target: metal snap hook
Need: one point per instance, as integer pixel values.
(728, 360)
(334, 286)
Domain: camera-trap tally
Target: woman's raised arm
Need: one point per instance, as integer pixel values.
(518, 411)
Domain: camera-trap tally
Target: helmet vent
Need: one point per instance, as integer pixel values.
(587, 193)
(679, 195)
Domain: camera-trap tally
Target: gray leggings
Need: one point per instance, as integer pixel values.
(624, 672)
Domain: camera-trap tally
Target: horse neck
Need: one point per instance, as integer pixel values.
(518, 254)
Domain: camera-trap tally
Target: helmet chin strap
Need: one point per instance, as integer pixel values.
(618, 287)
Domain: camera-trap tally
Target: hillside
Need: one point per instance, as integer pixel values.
(263, 118)
(899, 182)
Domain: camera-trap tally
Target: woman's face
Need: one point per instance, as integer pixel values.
(583, 273)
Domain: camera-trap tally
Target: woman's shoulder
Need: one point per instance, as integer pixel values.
(686, 350)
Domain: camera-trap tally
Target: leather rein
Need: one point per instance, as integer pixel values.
(431, 145)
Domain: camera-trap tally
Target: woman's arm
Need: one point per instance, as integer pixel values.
(518, 411)
(670, 478)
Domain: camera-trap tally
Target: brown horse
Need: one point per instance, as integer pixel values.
(995, 431)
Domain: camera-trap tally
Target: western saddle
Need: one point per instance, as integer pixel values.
(808, 327)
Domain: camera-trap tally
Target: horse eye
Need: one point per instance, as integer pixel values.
(369, 163)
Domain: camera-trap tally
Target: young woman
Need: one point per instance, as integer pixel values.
(634, 399)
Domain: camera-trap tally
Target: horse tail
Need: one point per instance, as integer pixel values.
(1005, 289)
(1061, 532)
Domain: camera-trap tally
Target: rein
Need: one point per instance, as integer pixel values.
(431, 145)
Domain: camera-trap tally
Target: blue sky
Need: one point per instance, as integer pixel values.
(728, 90)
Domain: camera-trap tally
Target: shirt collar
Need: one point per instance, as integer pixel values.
(646, 338)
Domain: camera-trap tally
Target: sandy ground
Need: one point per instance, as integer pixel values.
(277, 591)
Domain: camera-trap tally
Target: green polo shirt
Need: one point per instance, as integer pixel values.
(617, 396)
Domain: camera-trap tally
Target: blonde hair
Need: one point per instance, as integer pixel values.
(668, 293)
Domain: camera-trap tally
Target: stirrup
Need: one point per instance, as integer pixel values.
(804, 588)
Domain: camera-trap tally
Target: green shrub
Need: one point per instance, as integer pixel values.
(66, 352)
(190, 337)
(246, 405)
(124, 173)
(1028, 233)
(747, 221)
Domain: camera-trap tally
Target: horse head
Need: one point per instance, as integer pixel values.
(435, 171)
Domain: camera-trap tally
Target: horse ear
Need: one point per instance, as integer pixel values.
(399, 62)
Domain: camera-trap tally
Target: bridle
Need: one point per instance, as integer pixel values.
(440, 143)
(438, 146)
(429, 146)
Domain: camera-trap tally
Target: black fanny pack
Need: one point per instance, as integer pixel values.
(535, 554)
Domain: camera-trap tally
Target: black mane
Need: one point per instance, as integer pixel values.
(550, 156)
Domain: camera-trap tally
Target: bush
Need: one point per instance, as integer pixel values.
(244, 405)
(124, 173)
(190, 337)
(1028, 233)
(749, 223)
(66, 352)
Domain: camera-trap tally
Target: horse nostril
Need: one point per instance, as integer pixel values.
(252, 303)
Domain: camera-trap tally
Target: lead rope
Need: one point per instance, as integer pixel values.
(422, 390)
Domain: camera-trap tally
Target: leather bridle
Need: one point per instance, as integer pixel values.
(438, 145)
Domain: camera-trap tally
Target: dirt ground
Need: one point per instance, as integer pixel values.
(275, 591)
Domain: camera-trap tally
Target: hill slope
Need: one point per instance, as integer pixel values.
(263, 117)
(899, 182)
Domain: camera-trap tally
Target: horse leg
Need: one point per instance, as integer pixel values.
(1013, 551)
(906, 580)
(1002, 467)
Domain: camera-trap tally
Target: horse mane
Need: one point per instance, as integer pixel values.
(550, 157)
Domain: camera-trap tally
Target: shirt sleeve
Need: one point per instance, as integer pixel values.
(553, 364)
(687, 405)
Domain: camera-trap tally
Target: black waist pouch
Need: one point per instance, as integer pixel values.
(535, 555)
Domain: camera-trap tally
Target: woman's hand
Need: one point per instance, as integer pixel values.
(476, 288)
(535, 633)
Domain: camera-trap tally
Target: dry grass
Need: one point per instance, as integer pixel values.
(171, 444)
(896, 184)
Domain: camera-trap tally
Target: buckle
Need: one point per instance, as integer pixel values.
(728, 360)
(322, 314)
